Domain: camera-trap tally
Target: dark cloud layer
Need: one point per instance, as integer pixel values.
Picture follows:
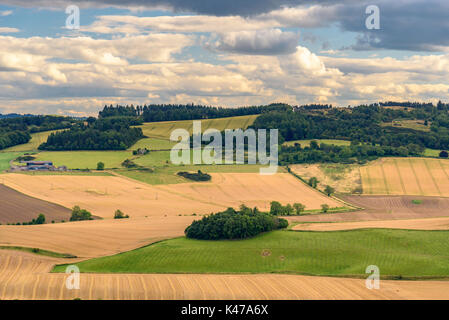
(213, 7)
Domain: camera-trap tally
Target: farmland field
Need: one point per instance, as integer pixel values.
(34, 282)
(17, 207)
(5, 158)
(85, 159)
(102, 195)
(36, 140)
(162, 130)
(396, 252)
(97, 237)
(306, 143)
(410, 224)
(406, 176)
(344, 178)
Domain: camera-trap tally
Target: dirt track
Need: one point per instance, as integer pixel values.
(25, 276)
(17, 207)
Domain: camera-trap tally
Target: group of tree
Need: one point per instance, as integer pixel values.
(277, 209)
(79, 214)
(234, 224)
(17, 130)
(364, 124)
(174, 112)
(328, 153)
(112, 133)
(120, 215)
(39, 220)
(195, 176)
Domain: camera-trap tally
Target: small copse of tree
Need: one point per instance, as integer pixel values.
(199, 176)
(234, 224)
(120, 215)
(79, 214)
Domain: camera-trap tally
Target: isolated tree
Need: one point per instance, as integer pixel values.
(40, 219)
(443, 154)
(324, 207)
(276, 208)
(299, 207)
(100, 166)
(329, 190)
(120, 215)
(313, 182)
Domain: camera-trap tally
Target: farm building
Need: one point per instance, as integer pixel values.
(38, 166)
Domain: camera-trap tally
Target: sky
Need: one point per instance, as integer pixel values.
(221, 53)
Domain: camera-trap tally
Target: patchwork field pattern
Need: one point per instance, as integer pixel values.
(95, 238)
(406, 176)
(25, 276)
(102, 195)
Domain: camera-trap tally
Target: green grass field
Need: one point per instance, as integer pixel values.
(36, 140)
(398, 253)
(167, 174)
(85, 159)
(162, 130)
(306, 143)
(6, 157)
(153, 144)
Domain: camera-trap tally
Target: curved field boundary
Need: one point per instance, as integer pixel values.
(18, 207)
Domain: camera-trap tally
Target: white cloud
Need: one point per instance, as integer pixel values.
(8, 30)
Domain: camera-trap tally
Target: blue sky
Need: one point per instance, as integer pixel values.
(219, 53)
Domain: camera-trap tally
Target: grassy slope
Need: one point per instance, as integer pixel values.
(168, 174)
(306, 143)
(36, 140)
(5, 157)
(396, 252)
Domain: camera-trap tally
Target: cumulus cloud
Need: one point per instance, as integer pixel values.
(257, 42)
(8, 30)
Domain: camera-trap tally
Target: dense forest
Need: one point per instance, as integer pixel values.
(361, 124)
(112, 133)
(16, 130)
(173, 112)
(234, 224)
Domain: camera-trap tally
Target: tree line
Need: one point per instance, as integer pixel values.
(96, 134)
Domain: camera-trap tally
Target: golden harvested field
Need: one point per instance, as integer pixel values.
(95, 238)
(344, 178)
(406, 176)
(102, 195)
(415, 224)
(253, 189)
(25, 276)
